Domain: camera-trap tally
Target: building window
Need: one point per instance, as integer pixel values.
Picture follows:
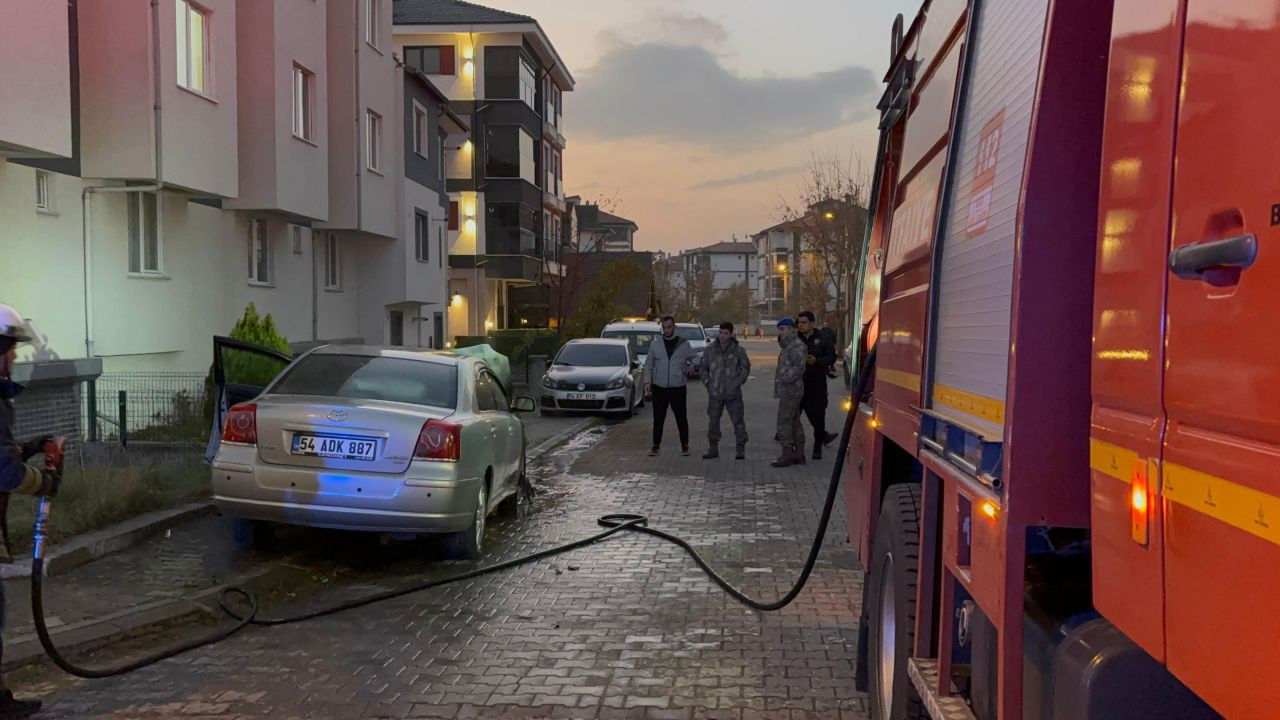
(295, 235)
(420, 126)
(260, 256)
(373, 128)
(193, 46)
(528, 86)
(432, 59)
(304, 83)
(422, 236)
(509, 153)
(332, 263)
(453, 214)
(44, 192)
(144, 233)
(372, 21)
(439, 247)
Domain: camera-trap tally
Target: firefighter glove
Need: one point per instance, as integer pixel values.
(40, 482)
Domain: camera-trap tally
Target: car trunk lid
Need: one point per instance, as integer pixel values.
(392, 427)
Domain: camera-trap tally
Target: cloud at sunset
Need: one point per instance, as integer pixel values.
(685, 93)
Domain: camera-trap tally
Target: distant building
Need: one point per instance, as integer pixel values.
(727, 263)
(505, 176)
(600, 231)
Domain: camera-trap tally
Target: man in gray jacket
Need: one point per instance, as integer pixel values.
(788, 388)
(668, 366)
(725, 367)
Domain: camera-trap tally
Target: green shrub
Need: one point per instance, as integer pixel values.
(246, 368)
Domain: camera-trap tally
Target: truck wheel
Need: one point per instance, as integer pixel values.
(892, 594)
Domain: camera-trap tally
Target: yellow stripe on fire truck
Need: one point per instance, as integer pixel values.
(1241, 507)
(978, 406)
(910, 381)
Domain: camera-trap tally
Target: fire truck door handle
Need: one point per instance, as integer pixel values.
(1191, 262)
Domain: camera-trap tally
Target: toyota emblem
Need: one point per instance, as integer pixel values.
(582, 386)
(338, 415)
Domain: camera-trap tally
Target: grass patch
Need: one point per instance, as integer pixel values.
(103, 496)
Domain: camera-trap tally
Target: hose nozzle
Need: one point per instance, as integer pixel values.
(41, 527)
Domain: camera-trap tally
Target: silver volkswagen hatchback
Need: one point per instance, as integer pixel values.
(375, 439)
(593, 374)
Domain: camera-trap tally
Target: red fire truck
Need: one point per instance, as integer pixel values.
(1065, 481)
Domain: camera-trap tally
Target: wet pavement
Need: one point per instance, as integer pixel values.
(629, 628)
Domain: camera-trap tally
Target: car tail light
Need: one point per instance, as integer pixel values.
(439, 441)
(241, 425)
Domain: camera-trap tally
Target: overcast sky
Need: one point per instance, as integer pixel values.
(699, 114)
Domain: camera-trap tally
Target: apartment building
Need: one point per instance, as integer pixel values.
(507, 209)
(792, 252)
(164, 164)
(725, 264)
(778, 260)
(600, 231)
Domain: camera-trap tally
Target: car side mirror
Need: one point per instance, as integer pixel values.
(524, 405)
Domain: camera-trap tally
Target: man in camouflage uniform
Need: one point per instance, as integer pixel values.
(788, 388)
(725, 367)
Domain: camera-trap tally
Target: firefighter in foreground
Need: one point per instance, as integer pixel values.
(15, 475)
(788, 388)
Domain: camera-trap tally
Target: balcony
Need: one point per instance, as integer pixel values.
(187, 112)
(283, 143)
(553, 135)
(35, 120)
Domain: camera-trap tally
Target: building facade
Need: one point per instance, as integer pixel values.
(600, 231)
(164, 165)
(507, 207)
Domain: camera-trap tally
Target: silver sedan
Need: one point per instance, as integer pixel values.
(372, 439)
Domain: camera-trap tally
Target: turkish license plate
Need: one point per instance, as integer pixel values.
(583, 396)
(334, 447)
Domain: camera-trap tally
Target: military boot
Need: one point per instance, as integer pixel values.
(786, 458)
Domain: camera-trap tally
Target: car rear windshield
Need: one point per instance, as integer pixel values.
(639, 341)
(691, 333)
(364, 377)
(589, 355)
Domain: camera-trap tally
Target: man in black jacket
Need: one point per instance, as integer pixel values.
(822, 356)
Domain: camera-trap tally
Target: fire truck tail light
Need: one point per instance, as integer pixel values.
(1140, 502)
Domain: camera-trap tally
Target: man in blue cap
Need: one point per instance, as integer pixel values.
(788, 388)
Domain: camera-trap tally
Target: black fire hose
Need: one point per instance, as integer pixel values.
(614, 524)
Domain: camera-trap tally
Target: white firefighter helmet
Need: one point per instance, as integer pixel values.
(13, 326)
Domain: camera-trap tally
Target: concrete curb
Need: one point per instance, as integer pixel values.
(25, 649)
(546, 447)
(91, 546)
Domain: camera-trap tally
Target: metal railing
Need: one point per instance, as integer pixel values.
(126, 407)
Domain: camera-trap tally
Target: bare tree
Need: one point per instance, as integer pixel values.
(669, 289)
(565, 266)
(829, 214)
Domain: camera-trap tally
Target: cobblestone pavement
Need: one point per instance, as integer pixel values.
(627, 629)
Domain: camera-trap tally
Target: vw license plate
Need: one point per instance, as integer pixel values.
(582, 396)
(334, 447)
